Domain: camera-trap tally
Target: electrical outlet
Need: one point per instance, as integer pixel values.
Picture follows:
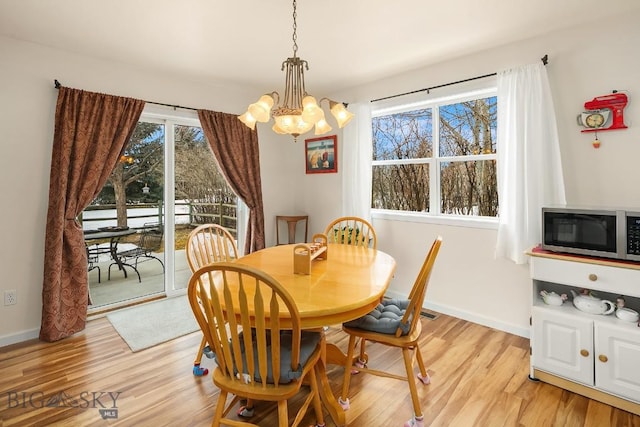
(10, 297)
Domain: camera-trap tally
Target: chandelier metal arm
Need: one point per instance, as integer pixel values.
(294, 83)
(275, 95)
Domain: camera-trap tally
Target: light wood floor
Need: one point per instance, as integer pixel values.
(479, 378)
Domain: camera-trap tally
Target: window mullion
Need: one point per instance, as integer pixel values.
(434, 168)
(169, 202)
(470, 158)
(401, 161)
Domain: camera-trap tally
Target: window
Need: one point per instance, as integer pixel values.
(437, 157)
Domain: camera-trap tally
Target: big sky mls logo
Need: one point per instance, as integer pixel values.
(104, 401)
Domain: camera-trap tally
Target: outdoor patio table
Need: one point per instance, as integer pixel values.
(114, 235)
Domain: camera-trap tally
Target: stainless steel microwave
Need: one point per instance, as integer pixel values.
(604, 233)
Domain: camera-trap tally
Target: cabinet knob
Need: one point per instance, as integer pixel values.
(584, 353)
(593, 277)
(603, 358)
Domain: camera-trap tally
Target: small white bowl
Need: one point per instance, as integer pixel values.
(627, 314)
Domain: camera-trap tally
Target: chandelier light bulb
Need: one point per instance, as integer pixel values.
(267, 101)
(261, 110)
(259, 113)
(284, 122)
(309, 101)
(301, 125)
(341, 114)
(322, 127)
(311, 112)
(248, 120)
(292, 124)
(278, 129)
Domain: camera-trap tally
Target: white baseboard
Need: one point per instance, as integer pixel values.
(19, 337)
(472, 317)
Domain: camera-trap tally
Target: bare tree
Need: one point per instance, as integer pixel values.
(143, 158)
(198, 178)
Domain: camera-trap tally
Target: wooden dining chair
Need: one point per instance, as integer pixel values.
(394, 323)
(210, 243)
(206, 244)
(261, 353)
(292, 225)
(351, 230)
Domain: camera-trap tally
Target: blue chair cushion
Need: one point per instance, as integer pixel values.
(308, 343)
(386, 318)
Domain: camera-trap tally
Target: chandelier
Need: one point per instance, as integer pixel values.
(299, 111)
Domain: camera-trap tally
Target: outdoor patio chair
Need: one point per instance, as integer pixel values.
(93, 255)
(150, 241)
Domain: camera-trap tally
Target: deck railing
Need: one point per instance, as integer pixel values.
(195, 214)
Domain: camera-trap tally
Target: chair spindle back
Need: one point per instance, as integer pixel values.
(351, 230)
(241, 308)
(210, 243)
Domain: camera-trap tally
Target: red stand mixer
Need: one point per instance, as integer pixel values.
(615, 102)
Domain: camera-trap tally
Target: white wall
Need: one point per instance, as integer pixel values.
(468, 282)
(293, 191)
(27, 110)
(284, 178)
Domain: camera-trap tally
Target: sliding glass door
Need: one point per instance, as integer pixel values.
(167, 181)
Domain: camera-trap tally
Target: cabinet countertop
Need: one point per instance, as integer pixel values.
(539, 252)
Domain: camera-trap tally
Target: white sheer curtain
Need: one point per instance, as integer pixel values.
(356, 163)
(529, 165)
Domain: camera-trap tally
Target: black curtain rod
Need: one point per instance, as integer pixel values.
(545, 61)
(58, 86)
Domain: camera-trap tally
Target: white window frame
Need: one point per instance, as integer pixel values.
(434, 216)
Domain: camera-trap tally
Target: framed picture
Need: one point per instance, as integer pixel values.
(321, 154)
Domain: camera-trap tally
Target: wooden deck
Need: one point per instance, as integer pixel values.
(121, 291)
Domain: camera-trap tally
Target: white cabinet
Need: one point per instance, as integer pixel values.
(616, 360)
(593, 355)
(563, 344)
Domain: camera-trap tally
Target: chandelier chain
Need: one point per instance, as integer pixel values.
(295, 28)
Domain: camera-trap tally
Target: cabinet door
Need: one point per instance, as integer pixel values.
(562, 344)
(617, 357)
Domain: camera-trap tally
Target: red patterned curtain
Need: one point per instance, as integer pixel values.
(91, 132)
(235, 147)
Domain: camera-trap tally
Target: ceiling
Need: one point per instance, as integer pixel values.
(346, 42)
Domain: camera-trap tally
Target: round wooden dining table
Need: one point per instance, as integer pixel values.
(349, 283)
